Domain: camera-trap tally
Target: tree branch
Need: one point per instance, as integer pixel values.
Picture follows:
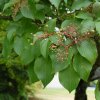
(6, 17)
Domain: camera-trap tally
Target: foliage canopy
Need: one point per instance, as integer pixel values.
(52, 36)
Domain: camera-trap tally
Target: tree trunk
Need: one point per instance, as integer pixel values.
(80, 93)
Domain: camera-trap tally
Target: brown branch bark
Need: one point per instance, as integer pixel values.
(3, 17)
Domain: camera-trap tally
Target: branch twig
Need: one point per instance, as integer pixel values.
(3, 17)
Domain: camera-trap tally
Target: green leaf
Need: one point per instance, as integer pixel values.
(97, 24)
(36, 49)
(87, 25)
(26, 12)
(7, 46)
(56, 64)
(77, 4)
(44, 47)
(10, 3)
(40, 12)
(69, 78)
(40, 15)
(10, 34)
(32, 76)
(19, 44)
(50, 25)
(97, 91)
(71, 52)
(43, 70)
(26, 26)
(65, 23)
(36, 35)
(96, 9)
(55, 3)
(82, 66)
(54, 39)
(2, 2)
(18, 16)
(65, 1)
(40, 6)
(87, 49)
(27, 55)
(84, 15)
(11, 31)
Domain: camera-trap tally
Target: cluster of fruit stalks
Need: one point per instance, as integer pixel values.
(71, 32)
(16, 7)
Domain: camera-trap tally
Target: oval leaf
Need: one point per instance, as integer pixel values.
(7, 47)
(43, 70)
(77, 4)
(26, 12)
(84, 15)
(32, 76)
(69, 78)
(65, 23)
(96, 9)
(56, 64)
(27, 55)
(97, 24)
(55, 3)
(11, 29)
(87, 49)
(10, 4)
(18, 45)
(50, 25)
(44, 47)
(87, 25)
(54, 39)
(82, 66)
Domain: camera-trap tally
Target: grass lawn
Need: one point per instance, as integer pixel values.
(60, 94)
